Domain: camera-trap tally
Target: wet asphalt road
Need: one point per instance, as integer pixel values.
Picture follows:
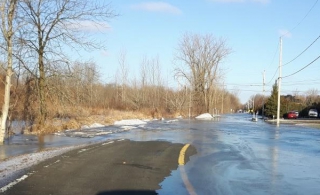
(237, 156)
(115, 167)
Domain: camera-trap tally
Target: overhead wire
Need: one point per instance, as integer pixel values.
(273, 76)
(302, 18)
(296, 56)
(300, 84)
(302, 51)
(302, 81)
(302, 68)
(291, 31)
(244, 85)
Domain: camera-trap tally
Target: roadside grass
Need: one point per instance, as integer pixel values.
(106, 117)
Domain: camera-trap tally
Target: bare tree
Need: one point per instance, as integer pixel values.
(312, 97)
(202, 55)
(124, 73)
(51, 26)
(143, 77)
(155, 81)
(8, 10)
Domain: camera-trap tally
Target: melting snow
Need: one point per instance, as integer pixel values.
(94, 125)
(204, 116)
(130, 122)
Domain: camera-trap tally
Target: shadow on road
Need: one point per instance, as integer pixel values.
(128, 192)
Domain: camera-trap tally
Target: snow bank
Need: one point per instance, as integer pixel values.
(130, 122)
(204, 116)
(94, 125)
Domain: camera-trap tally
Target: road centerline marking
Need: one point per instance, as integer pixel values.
(182, 154)
(183, 173)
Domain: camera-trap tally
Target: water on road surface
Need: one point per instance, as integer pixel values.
(235, 155)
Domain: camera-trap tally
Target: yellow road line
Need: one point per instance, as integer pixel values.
(182, 154)
(184, 175)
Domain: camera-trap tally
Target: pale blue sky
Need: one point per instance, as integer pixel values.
(251, 27)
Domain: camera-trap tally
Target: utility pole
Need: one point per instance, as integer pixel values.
(253, 105)
(190, 101)
(279, 83)
(263, 84)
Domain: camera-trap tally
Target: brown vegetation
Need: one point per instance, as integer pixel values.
(51, 92)
(73, 101)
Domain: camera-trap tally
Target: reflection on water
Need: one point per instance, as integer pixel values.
(41, 143)
(24, 144)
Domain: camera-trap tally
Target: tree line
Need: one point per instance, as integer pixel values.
(39, 81)
(267, 105)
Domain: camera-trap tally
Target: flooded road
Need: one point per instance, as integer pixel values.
(238, 156)
(235, 155)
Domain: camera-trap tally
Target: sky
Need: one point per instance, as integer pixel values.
(251, 28)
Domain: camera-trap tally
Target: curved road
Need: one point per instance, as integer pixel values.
(114, 167)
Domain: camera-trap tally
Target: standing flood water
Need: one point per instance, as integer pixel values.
(234, 154)
(237, 156)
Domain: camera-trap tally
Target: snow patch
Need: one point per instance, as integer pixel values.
(127, 128)
(103, 133)
(204, 116)
(130, 122)
(94, 125)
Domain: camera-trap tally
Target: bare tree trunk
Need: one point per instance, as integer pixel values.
(7, 30)
(6, 103)
(124, 75)
(42, 85)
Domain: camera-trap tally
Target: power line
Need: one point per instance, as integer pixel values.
(272, 76)
(248, 90)
(299, 84)
(302, 68)
(302, 51)
(244, 85)
(302, 18)
(302, 81)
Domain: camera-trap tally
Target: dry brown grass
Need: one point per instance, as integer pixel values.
(106, 118)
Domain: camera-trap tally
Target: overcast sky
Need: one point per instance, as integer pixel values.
(252, 29)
